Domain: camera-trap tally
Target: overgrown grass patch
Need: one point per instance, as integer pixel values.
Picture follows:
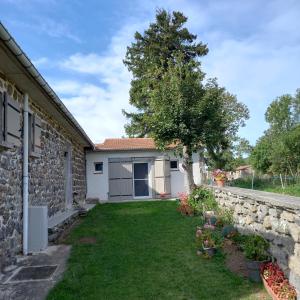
(268, 185)
(145, 250)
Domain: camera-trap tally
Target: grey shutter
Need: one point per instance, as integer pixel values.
(1, 117)
(120, 180)
(162, 176)
(167, 174)
(13, 121)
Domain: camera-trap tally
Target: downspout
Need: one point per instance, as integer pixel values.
(25, 175)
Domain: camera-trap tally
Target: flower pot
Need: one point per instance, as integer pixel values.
(268, 289)
(208, 214)
(210, 252)
(220, 183)
(253, 267)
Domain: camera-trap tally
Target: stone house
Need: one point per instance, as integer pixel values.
(34, 121)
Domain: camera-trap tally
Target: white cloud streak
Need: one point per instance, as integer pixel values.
(256, 61)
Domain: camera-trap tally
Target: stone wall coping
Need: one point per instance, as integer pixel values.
(267, 197)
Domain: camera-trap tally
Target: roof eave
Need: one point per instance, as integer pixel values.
(12, 45)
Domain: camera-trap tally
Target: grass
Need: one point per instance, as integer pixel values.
(268, 185)
(145, 250)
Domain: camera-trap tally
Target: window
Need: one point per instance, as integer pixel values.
(174, 164)
(98, 167)
(10, 127)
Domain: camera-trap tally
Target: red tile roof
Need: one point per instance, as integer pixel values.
(128, 144)
(243, 167)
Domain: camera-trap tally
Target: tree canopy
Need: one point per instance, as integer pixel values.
(278, 150)
(173, 103)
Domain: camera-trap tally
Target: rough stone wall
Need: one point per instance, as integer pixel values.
(273, 216)
(47, 171)
(46, 178)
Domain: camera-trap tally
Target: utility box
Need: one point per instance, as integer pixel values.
(37, 228)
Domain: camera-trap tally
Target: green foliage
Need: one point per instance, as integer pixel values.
(209, 238)
(225, 217)
(255, 248)
(272, 184)
(235, 155)
(173, 104)
(277, 152)
(202, 199)
(260, 157)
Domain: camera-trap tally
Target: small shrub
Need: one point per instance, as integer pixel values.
(202, 199)
(208, 238)
(184, 206)
(225, 217)
(239, 239)
(255, 248)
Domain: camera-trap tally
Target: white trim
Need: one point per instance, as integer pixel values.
(133, 180)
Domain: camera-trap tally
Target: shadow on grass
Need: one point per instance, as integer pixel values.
(145, 250)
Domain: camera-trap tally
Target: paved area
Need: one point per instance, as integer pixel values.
(15, 286)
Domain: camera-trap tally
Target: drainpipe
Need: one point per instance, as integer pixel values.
(25, 176)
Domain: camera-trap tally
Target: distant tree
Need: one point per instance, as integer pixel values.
(284, 113)
(278, 151)
(173, 104)
(235, 155)
(260, 157)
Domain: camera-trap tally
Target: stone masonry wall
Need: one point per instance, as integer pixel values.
(273, 216)
(46, 177)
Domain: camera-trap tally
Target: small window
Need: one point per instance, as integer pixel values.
(174, 164)
(98, 167)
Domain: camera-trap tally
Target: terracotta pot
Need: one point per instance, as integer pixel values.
(269, 290)
(220, 183)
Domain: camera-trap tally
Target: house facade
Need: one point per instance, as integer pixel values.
(42, 150)
(132, 168)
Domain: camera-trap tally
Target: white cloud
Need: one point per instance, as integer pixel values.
(40, 61)
(254, 52)
(98, 107)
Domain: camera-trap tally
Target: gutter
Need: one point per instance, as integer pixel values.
(27, 64)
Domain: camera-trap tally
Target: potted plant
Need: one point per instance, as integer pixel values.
(207, 241)
(255, 248)
(220, 177)
(163, 195)
(275, 282)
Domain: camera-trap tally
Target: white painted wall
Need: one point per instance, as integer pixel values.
(98, 185)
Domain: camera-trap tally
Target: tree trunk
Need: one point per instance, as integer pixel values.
(188, 167)
(202, 167)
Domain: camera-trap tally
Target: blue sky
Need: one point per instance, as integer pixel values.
(78, 46)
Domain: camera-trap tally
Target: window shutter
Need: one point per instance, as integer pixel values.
(162, 176)
(13, 121)
(1, 117)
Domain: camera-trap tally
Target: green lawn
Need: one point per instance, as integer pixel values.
(267, 185)
(145, 250)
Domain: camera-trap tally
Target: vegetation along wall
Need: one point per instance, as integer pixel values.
(276, 217)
